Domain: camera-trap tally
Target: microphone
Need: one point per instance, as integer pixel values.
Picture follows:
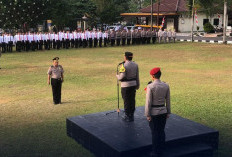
(121, 63)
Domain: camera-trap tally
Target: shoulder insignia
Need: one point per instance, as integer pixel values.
(122, 69)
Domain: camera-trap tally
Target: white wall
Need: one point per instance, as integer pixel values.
(185, 22)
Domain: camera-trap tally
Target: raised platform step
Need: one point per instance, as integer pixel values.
(189, 150)
(106, 135)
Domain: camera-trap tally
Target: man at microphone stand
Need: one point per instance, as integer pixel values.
(129, 77)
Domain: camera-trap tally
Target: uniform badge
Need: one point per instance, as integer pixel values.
(122, 69)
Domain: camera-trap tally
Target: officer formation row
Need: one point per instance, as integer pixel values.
(39, 41)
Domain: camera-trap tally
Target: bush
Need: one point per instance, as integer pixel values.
(208, 28)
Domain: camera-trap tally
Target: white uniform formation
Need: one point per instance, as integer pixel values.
(76, 39)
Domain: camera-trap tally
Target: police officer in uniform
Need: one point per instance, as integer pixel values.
(56, 75)
(124, 34)
(129, 35)
(157, 110)
(118, 37)
(154, 33)
(112, 37)
(129, 77)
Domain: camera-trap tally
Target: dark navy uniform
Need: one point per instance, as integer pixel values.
(56, 74)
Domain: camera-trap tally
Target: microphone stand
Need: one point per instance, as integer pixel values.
(118, 110)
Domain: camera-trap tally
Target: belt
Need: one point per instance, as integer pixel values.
(56, 78)
(157, 106)
(125, 80)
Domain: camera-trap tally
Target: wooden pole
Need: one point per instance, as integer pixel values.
(151, 15)
(157, 23)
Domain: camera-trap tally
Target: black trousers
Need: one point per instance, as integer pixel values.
(128, 41)
(67, 44)
(56, 90)
(33, 45)
(143, 40)
(72, 43)
(118, 42)
(18, 46)
(157, 126)
(90, 42)
(100, 42)
(63, 43)
(3, 47)
(45, 44)
(10, 46)
(76, 43)
(112, 42)
(95, 42)
(105, 42)
(148, 40)
(58, 44)
(153, 40)
(133, 41)
(84, 43)
(79, 43)
(54, 44)
(41, 45)
(123, 41)
(128, 95)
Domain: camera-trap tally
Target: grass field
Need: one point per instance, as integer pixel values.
(199, 76)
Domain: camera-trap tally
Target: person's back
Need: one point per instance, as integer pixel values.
(131, 74)
(157, 110)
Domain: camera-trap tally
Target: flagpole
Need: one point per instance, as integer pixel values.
(192, 21)
(224, 23)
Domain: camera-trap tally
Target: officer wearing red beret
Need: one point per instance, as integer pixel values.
(157, 110)
(129, 77)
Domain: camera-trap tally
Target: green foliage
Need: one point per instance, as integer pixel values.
(22, 13)
(30, 13)
(208, 28)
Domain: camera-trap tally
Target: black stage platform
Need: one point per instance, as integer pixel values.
(109, 136)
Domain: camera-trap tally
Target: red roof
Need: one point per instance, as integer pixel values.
(168, 6)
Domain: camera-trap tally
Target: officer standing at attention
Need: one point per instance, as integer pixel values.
(129, 77)
(56, 75)
(158, 94)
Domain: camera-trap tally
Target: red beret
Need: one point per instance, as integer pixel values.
(154, 71)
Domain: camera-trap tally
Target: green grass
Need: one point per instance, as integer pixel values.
(199, 76)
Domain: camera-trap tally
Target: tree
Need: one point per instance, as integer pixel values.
(21, 14)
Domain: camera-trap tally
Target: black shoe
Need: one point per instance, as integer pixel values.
(131, 118)
(126, 118)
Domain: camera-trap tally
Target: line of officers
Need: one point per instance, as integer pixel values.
(88, 38)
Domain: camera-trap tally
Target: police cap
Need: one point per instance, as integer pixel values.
(56, 58)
